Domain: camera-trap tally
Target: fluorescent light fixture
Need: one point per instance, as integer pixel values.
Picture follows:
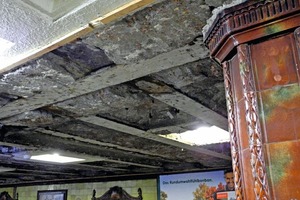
(55, 158)
(6, 169)
(201, 136)
(5, 45)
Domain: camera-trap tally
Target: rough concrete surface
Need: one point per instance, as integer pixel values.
(107, 96)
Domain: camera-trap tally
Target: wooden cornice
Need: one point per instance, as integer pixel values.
(251, 15)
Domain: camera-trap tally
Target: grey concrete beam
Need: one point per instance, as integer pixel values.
(108, 77)
(143, 134)
(179, 128)
(98, 143)
(190, 106)
(184, 103)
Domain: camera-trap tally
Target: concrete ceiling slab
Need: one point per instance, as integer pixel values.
(108, 95)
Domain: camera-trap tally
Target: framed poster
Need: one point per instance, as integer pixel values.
(190, 186)
(52, 195)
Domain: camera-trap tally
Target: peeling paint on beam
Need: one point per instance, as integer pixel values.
(140, 133)
(109, 77)
(192, 107)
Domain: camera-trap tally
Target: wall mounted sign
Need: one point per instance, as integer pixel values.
(201, 185)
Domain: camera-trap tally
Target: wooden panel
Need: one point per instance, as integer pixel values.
(274, 62)
(232, 129)
(279, 112)
(284, 169)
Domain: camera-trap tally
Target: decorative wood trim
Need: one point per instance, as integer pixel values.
(297, 36)
(232, 131)
(117, 193)
(6, 196)
(245, 16)
(261, 187)
(297, 42)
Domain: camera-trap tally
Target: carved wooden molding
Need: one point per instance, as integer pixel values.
(4, 195)
(117, 193)
(261, 187)
(245, 16)
(236, 164)
(297, 42)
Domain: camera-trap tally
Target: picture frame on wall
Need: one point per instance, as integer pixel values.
(52, 195)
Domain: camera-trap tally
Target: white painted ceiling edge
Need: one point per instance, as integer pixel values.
(30, 30)
(54, 9)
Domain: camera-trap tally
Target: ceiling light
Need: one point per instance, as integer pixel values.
(5, 45)
(55, 158)
(201, 136)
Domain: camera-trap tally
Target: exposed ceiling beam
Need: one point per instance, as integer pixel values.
(23, 174)
(108, 77)
(24, 164)
(89, 158)
(143, 134)
(85, 166)
(190, 106)
(98, 143)
(184, 103)
(44, 172)
(179, 128)
(92, 158)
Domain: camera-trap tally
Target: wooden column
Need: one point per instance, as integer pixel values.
(258, 45)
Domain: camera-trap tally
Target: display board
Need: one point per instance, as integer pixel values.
(52, 195)
(189, 186)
